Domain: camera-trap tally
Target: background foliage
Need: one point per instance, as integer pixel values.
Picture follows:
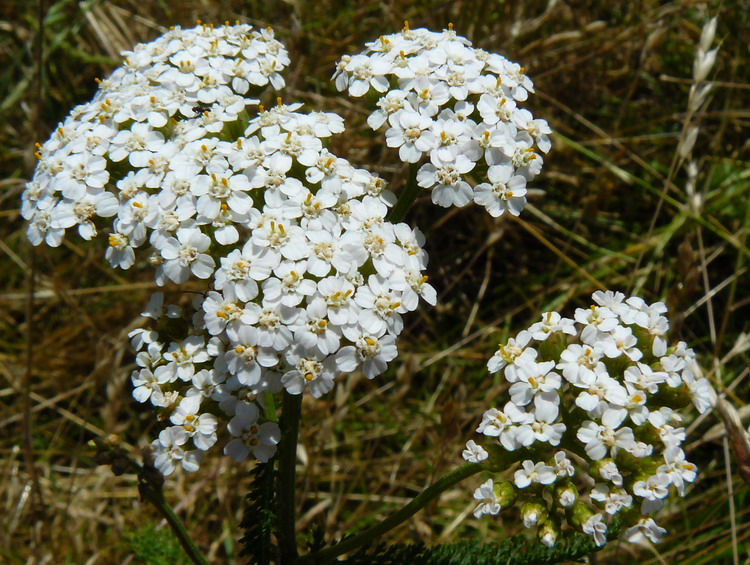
(612, 209)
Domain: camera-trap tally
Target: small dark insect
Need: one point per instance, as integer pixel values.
(199, 108)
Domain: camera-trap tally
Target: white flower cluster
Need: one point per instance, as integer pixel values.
(442, 99)
(154, 126)
(308, 280)
(317, 290)
(592, 418)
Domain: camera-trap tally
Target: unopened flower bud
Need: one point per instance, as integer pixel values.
(533, 512)
(607, 470)
(579, 514)
(549, 532)
(553, 346)
(121, 465)
(506, 493)
(566, 494)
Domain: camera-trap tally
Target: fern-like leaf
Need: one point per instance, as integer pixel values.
(259, 519)
(517, 550)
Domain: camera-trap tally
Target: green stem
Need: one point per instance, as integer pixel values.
(291, 410)
(149, 491)
(407, 197)
(419, 502)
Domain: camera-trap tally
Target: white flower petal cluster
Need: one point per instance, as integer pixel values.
(603, 388)
(316, 290)
(456, 107)
(306, 278)
(146, 153)
(294, 308)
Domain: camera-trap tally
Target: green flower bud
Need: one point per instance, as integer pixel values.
(499, 458)
(596, 468)
(552, 347)
(506, 494)
(566, 494)
(630, 464)
(579, 514)
(675, 398)
(549, 532)
(534, 512)
(616, 367)
(645, 342)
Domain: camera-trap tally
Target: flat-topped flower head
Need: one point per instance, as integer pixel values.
(604, 399)
(303, 277)
(308, 294)
(161, 122)
(446, 103)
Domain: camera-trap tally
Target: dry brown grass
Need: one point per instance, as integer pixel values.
(611, 77)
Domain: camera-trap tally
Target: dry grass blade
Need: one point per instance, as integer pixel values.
(739, 440)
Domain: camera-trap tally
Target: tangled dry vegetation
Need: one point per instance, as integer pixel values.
(614, 208)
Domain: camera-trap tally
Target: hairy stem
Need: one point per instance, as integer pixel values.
(291, 410)
(407, 197)
(419, 502)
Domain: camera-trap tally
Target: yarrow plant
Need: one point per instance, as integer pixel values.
(308, 278)
(301, 272)
(444, 101)
(593, 419)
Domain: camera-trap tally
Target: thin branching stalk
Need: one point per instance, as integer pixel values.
(153, 493)
(110, 452)
(291, 410)
(36, 490)
(420, 501)
(28, 425)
